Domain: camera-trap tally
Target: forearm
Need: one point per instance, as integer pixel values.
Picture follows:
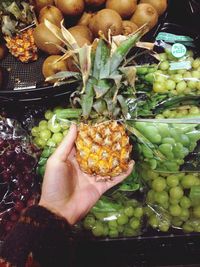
(41, 234)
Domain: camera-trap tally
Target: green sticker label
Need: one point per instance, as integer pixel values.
(180, 65)
(178, 50)
(172, 38)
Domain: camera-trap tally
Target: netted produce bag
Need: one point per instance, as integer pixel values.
(173, 200)
(178, 70)
(167, 145)
(50, 131)
(115, 216)
(19, 186)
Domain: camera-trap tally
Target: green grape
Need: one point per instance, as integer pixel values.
(151, 174)
(149, 77)
(194, 110)
(185, 202)
(98, 229)
(181, 86)
(164, 65)
(164, 226)
(166, 150)
(159, 184)
(174, 201)
(159, 87)
(151, 196)
(187, 227)
(41, 170)
(134, 223)
(152, 134)
(196, 212)
(192, 84)
(177, 78)
(163, 129)
(176, 192)
(105, 230)
(138, 212)
(65, 132)
(196, 63)
(48, 114)
(57, 137)
(129, 211)
(163, 56)
(128, 232)
(175, 210)
(187, 75)
(147, 152)
(153, 221)
(172, 180)
(120, 228)
(161, 197)
(113, 233)
(142, 70)
(42, 161)
(51, 143)
(112, 224)
(45, 134)
(185, 214)
(122, 219)
(54, 127)
(176, 222)
(195, 74)
(188, 181)
(35, 131)
(40, 142)
(43, 125)
(89, 222)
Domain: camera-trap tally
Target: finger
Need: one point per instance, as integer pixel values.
(66, 146)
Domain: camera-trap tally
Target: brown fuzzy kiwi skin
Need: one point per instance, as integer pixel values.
(95, 3)
(145, 13)
(104, 20)
(125, 8)
(85, 18)
(52, 14)
(81, 30)
(42, 35)
(71, 7)
(159, 5)
(128, 27)
(51, 67)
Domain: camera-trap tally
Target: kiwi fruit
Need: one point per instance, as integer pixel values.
(52, 14)
(85, 18)
(81, 30)
(104, 20)
(125, 8)
(145, 13)
(71, 7)
(51, 66)
(46, 40)
(128, 27)
(159, 5)
(39, 4)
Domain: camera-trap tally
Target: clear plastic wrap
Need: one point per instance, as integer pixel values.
(19, 186)
(167, 145)
(178, 70)
(115, 216)
(173, 200)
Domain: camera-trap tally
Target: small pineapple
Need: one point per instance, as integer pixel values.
(17, 19)
(105, 91)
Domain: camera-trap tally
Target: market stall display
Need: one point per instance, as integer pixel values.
(141, 100)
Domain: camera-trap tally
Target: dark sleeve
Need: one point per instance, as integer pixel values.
(40, 238)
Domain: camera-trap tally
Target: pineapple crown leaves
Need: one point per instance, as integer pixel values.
(103, 76)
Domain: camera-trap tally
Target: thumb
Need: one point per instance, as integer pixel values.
(63, 150)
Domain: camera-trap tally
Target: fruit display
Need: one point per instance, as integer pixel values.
(172, 200)
(114, 217)
(164, 145)
(18, 182)
(50, 131)
(17, 22)
(176, 76)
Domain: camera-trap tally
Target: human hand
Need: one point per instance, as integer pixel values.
(68, 191)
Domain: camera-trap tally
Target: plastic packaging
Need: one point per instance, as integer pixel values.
(50, 131)
(165, 144)
(172, 200)
(19, 186)
(178, 70)
(115, 216)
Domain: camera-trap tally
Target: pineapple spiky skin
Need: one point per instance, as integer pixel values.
(103, 149)
(22, 46)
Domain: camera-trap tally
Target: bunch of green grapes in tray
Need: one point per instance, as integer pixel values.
(163, 145)
(115, 216)
(173, 200)
(171, 75)
(50, 131)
